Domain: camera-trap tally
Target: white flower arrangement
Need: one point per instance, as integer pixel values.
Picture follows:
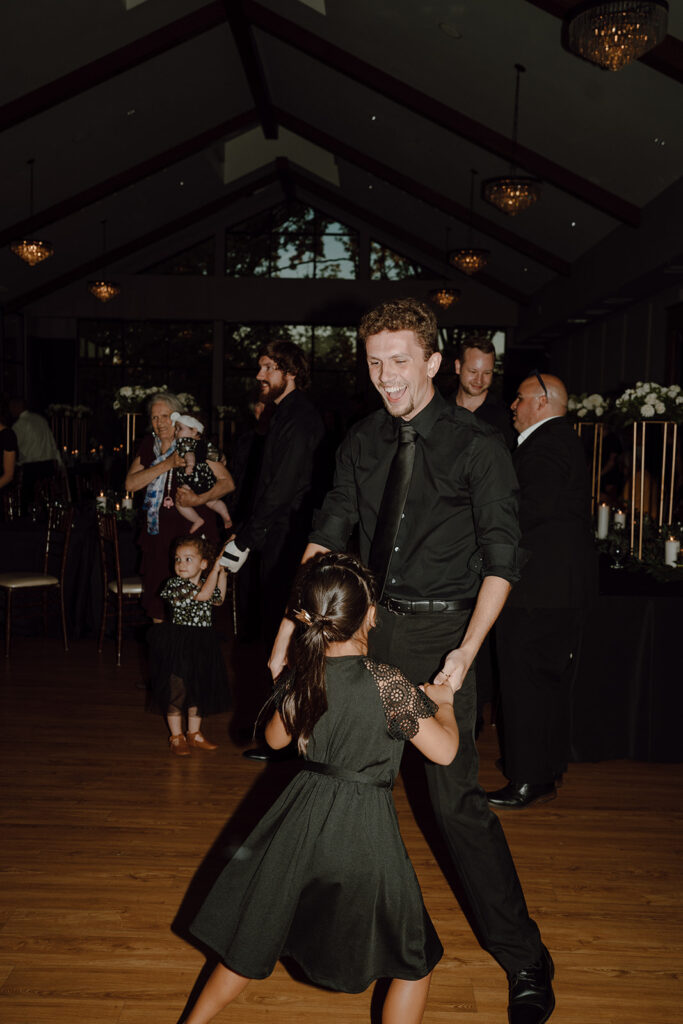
(587, 407)
(190, 403)
(226, 412)
(79, 411)
(646, 401)
(130, 398)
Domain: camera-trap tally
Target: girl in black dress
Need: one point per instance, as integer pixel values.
(325, 878)
(188, 674)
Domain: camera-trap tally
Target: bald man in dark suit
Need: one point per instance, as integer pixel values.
(538, 631)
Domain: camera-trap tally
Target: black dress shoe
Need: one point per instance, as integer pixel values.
(531, 999)
(500, 765)
(257, 754)
(517, 795)
(266, 754)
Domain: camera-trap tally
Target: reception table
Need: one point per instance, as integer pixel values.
(628, 694)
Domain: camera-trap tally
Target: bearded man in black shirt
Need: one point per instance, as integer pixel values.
(277, 524)
(453, 560)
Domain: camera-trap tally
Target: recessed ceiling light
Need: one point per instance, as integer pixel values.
(373, 117)
(181, 183)
(573, 224)
(450, 29)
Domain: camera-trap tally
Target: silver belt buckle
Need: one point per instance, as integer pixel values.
(393, 606)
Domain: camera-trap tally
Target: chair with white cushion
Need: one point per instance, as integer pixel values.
(114, 586)
(50, 579)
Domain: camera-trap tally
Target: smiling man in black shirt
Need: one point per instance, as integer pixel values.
(452, 563)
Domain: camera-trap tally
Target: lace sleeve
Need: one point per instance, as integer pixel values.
(404, 703)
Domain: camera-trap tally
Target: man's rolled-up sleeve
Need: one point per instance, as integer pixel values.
(333, 523)
(495, 508)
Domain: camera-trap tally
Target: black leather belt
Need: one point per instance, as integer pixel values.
(401, 607)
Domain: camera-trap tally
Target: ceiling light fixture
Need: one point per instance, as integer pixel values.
(468, 259)
(31, 251)
(512, 193)
(104, 290)
(612, 35)
(444, 297)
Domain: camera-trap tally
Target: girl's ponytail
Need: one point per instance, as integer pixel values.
(331, 597)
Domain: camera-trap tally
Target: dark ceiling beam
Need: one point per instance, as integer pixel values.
(452, 120)
(417, 190)
(252, 65)
(116, 63)
(666, 58)
(432, 256)
(284, 173)
(269, 177)
(131, 176)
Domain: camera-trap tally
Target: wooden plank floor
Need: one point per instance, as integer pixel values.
(104, 848)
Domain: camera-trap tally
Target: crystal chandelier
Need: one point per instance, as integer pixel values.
(612, 35)
(469, 260)
(104, 290)
(511, 193)
(444, 297)
(31, 251)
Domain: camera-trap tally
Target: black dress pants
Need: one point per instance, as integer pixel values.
(418, 644)
(537, 658)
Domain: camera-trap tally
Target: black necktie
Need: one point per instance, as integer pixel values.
(393, 503)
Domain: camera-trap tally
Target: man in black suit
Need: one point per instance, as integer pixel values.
(538, 630)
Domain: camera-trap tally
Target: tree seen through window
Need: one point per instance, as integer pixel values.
(292, 240)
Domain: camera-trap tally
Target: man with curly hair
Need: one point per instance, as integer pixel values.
(450, 567)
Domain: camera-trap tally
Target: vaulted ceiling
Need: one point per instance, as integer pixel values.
(162, 116)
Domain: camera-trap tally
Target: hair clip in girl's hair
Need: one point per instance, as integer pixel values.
(303, 616)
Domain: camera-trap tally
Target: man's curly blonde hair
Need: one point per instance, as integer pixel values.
(402, 315)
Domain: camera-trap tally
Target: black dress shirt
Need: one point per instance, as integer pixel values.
(497, 414)
(285, 484)
(460, 518)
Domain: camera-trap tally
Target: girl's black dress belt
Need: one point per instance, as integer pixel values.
(342, 773)
(401, 607)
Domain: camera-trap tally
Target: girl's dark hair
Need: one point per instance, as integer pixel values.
(202, 546)
(330, 599)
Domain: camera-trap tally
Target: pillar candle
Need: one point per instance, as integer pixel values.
(127, 501)
(671, 549)
(603, 521)
(101, 502)
(619, 520)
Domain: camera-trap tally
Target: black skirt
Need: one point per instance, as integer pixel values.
(187, 670)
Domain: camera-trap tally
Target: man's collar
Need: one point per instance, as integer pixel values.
(285, 400)
(534, 426)
(427, 417)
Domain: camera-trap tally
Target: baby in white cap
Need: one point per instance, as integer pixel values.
(197, 474)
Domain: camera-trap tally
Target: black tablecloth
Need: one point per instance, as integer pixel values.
(628, 697)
